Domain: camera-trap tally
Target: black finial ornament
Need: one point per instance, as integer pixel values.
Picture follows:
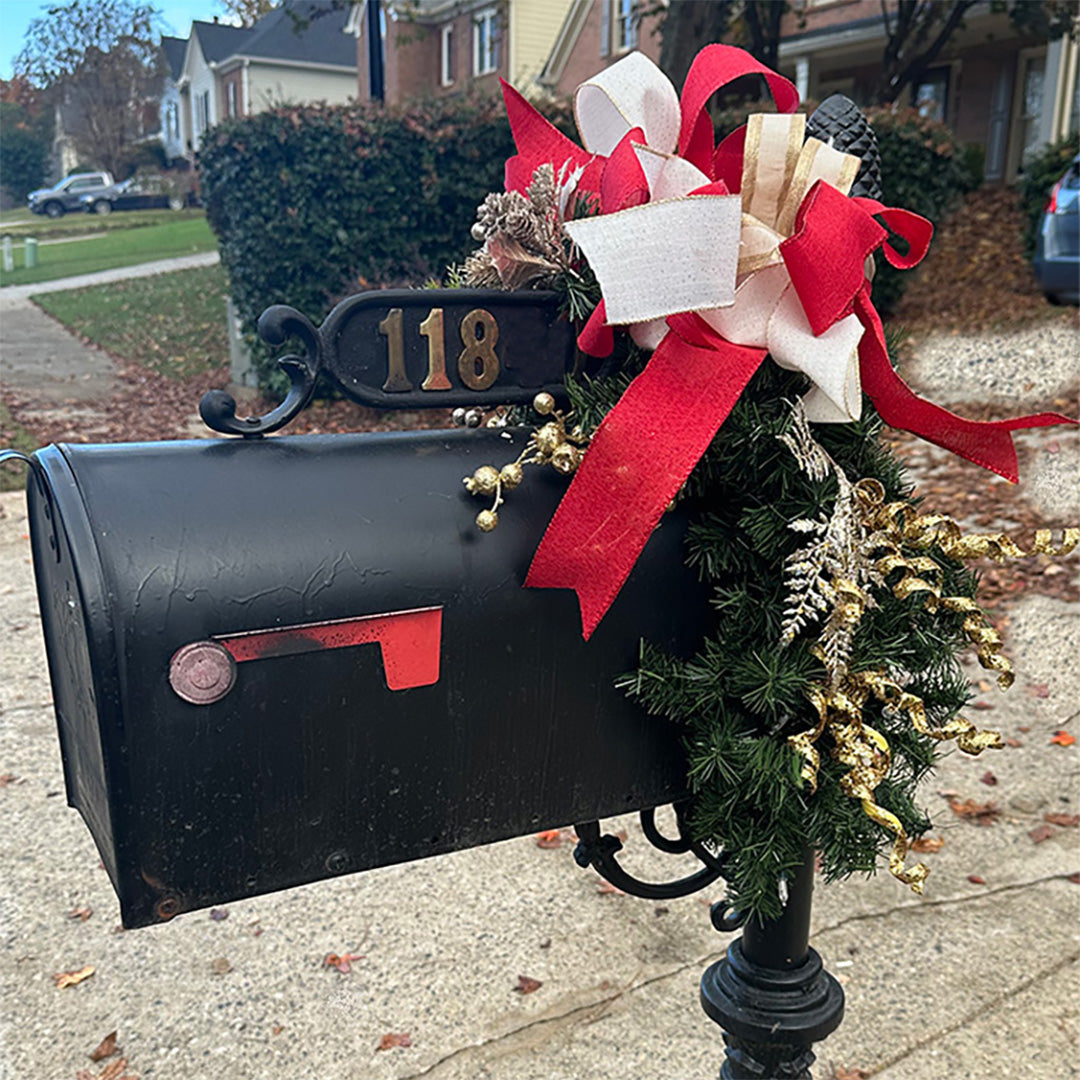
(839, 122)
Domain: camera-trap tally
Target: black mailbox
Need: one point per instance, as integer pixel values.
(279, 660)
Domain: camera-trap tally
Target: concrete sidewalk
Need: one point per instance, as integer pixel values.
(973, 981)
(104, 277)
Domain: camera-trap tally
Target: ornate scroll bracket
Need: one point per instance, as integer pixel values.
(600, 850)
(276, 325)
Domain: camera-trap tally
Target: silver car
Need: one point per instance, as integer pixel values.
(1057, 247)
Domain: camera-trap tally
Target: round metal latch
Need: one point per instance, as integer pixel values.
(202, 672)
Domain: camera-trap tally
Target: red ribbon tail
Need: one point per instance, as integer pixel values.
(986, 443)
(640, 456)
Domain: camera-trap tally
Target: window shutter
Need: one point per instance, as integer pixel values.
(605, 27)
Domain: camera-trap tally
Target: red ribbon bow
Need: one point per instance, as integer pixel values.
(648, 444)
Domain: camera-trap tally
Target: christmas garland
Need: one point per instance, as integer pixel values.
(820, 698)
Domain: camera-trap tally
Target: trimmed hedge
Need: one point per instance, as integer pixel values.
(313, 202)
(1041, 173)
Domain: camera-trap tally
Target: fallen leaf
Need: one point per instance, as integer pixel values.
(984, 685)
(220, 966)
(8, 778)
(1074, 878)
(975, 879)
(72, 978)
(1024, 729)
(277, 1029)
(80, 913)
(1015, 744)
(106, 1048)
(1041, 833)
(394, 1038)
(342, 963)
(113, 1070)
(549, 838)
(1062, 738)
(988, 778)
(970, 810)
(218, 914)
(982, 706)
(605, 888)
(1039, 690)
(527, 985)
(1066, 821)
(927, 845)
(842, 1073)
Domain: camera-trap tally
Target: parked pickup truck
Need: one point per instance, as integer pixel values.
(66, 194)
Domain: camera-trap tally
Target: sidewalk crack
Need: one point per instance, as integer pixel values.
(947, 901)
(979, 1011)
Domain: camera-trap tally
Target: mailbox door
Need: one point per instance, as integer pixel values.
(323, 757)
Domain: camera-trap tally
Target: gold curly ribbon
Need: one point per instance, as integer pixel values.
(889, 529)
(866, 752)
(896, 525)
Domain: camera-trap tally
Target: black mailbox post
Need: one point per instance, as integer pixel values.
(279, 660)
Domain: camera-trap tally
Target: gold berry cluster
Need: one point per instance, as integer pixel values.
(551, 444)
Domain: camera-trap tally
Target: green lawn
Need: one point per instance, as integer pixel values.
(173, 324)
(183, 233)
(20, 223)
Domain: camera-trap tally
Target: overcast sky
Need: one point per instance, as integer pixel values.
(16, 16)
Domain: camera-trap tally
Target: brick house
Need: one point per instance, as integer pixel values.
(1004, 93)
(438, 48)
(997, 90)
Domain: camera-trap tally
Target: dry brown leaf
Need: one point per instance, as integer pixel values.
(1039, 690)
(927, 845)
(527, 985)
(342, 962)
(982, 706)
(1066, 821)
(220, 966)
(842, 1073)
(976, 879)
(80, 913)
(1041, 833)
(1074, 878)
(72, 978)
(106, 1048)
(970, 810)
(277, 1029)
(988, 778)
(1014, 744)
(605, 888)
(8, 777)
(394, 1039)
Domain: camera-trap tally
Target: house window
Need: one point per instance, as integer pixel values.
(485, 42)
(1033, 75)
(172, 121)
(202, 111)
(231, 108)
(618, 26)
(931, 95)
(446, 56)
(626, 31)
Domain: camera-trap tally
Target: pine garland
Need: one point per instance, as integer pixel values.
(750, 687)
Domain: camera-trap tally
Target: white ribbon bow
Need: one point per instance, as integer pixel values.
(717, 255)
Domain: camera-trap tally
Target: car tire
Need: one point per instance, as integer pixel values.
(102, 206)
(54, 209)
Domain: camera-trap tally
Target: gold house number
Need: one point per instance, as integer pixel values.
(478, 363)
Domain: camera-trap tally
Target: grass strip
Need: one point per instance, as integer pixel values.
(173, 324)
(182, 235)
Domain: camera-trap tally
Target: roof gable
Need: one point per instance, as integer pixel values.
(218, 41)
(302, 32)
(174, 49)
